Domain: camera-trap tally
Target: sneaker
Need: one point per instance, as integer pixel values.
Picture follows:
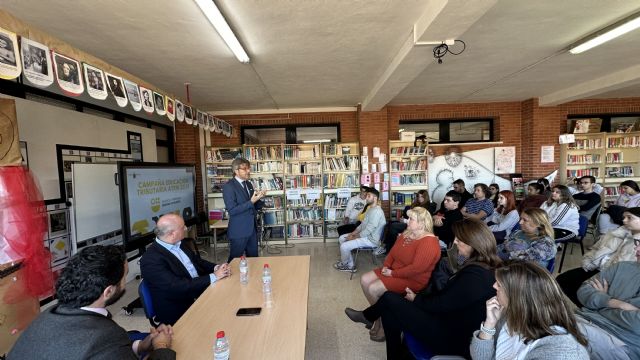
(379, 251)
(344, 267)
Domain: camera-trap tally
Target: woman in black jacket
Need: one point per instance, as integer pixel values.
(443, 321)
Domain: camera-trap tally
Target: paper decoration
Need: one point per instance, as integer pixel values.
(94, 78)
(365, 179)
(385, 186)
(383, 167)
(567, 139)
(313, 194)
(10, 67)
(170, 109)
(365, 150)
(147, 99)
(116, 87)
(364, 163)
(179, 111)
(9, 146)
(505, 160)
(376, 178)
(376, 152)
(293, 194)
(547, 154)
(188, 114)
(68, 74)
(374, 168)
(36, 63)
(408, 136)
(158, 101)
(344, 193)
(382, 158)
(133, 93)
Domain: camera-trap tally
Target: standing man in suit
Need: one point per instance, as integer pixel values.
(79, 326)
(176, 275)
(242, 204)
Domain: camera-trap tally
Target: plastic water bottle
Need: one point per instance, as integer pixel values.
(221, 347)
(244, 271)
(266, 286)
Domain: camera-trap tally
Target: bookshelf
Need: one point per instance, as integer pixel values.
(408, 166)
(303, 191)
(218, 168)
(583, 157)
(340, 181)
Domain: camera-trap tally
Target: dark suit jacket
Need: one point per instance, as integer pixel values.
(242, 213)
(66, 333)
(172, 288)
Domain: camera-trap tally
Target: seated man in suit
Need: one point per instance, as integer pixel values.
(176, 275)
(79, 326)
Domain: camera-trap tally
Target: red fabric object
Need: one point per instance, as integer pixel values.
(23, 224)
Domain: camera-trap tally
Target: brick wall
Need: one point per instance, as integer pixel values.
(187, 150)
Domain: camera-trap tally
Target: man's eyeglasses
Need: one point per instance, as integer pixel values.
(243, 168)
(585, 182)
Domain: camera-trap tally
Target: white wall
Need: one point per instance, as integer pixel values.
(43, 126)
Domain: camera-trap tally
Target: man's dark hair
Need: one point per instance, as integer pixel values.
(591, 179)
(539, 187)
(459, 182)
(454, 195)
(88, 274)
(374, 191)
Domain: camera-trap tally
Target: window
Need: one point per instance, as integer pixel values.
(450, 131)
(290, 134)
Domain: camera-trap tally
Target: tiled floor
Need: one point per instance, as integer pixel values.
(330, 334)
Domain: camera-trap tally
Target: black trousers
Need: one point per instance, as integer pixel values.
(393, 230)
(570, 281)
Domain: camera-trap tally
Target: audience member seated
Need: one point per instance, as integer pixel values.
(443, 321)
(494, 190)
(355, 205)
(573, 183)
(176, 275)
(529, 318)
(79, 325)
(366, 234)
(563, 213)
(534, 240)
(408, 265)
(611, 311)
(505, 217)
(535, 197)
(588, 200)
(479, 207)
(396, 227)
(614, 247)
(547, 188)
(347, 228)
(459, 187)
(629, 198)
(446, 216)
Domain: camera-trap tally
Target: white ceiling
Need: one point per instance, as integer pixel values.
(334, 53)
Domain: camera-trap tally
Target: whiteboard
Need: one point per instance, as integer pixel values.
(96, 200)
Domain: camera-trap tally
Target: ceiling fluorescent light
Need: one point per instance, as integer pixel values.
(216, 19)
(316, 141)
(610, 32)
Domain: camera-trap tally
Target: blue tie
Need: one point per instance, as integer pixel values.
(246, 188)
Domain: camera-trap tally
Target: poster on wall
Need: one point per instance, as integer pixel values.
(94, 78)
(201, 116)
(211, 126)
(170, 109)
(197, 117)
(36, 63)
(133, 93)
(147, 102)
(10, 67)
(117, 89)
(218, 124)
(505, 160)
(179, 111)
(206, 122)
(9, 143)
(68, 74)
(158, 100)
(188, 115)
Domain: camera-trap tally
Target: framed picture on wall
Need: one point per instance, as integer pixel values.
(58, 224)
(60, 249)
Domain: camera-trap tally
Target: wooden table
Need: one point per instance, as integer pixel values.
(220, 224)
(277, 333)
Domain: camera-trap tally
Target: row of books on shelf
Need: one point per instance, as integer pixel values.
(271, 218)
(304, 230)
(219, 155)
(399, 198)
(266, 167)
(303, 201)
(583, 172)
(332, 231)
(301, 152)
(272, 202)
(218, 170)
(616, 157)
(396, 214)
(274, 233)
(342, 163)
(337, 149)
(333, 201)
(408, 179)
(586, 144)
(313, 214)
(623, 141)
(407, 165)
(263, 153)
(261, 183)
(340, 180)
(215, 185)
(303, 181)
(620, 171)
(303, 167)
(584, 159)
(612, 191)
(333, 214)
(409, 150)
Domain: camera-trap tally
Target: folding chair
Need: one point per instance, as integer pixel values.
(372, 249)
(584, 222)
(593, 223)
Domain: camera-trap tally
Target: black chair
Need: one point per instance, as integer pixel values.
(147, 304)
(582, 231)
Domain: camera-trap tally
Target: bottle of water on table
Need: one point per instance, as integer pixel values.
(244, 271)
(266, 286)
(221, 347)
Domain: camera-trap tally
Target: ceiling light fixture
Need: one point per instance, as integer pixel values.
(610, 32)
(316, 141)
(216, 19)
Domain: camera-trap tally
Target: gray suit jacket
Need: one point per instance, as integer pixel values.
(66, 333)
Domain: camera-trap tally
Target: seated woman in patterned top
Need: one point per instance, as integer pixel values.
(480, 206)
(534, 240)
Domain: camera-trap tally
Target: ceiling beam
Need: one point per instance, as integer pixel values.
(614, 81)
(441, 20)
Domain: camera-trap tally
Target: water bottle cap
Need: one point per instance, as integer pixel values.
(266, 265)
(220, 334)
(242, 257)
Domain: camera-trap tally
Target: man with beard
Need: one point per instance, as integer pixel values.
(79, 326)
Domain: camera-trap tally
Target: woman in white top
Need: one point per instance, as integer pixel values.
(563, 213)
(528, 319)
(629, 198)
(505, 217)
